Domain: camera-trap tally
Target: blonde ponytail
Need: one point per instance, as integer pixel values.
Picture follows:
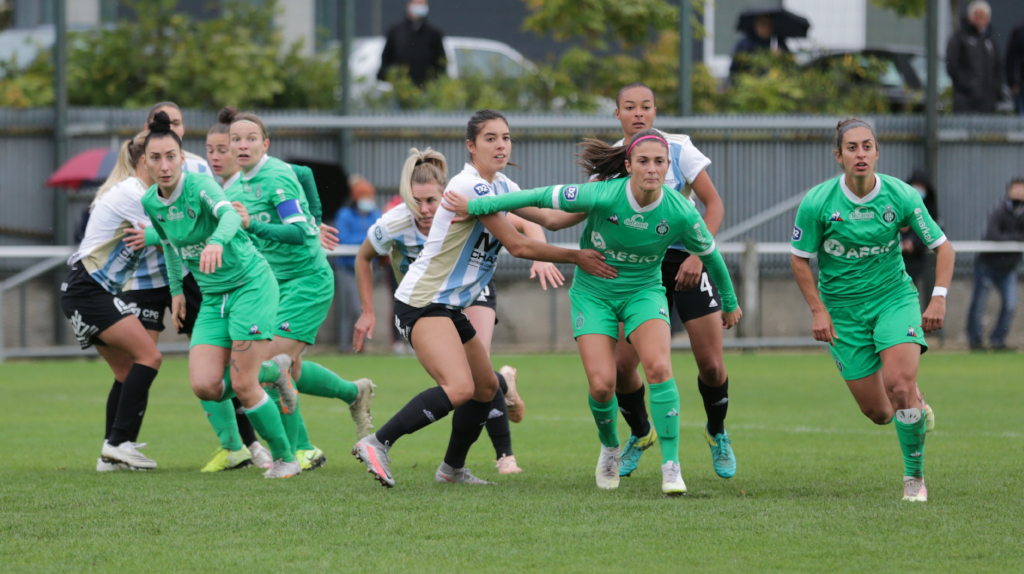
(127, 159)
(427, 166)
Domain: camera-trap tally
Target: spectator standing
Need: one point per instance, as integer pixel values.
(763, 38)
(1005, 223)
(352, 222)
(1015, 67)
(973, 63)
(413, 42)
(916, 256)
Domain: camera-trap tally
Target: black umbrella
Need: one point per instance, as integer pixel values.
(787, 24)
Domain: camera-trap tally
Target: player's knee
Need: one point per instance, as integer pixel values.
(207, 389)
(712, 373)
(658, 371)
(878, 416)
(152, 358)
(602, 389)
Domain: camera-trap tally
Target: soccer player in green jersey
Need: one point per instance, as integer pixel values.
(865, 306)
(632, 222)
(197, 225)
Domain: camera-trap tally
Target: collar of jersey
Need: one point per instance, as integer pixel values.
(853, 196)
(469, 167)
(636, 206)
(177, 191)
(232, 179)
(255, 170)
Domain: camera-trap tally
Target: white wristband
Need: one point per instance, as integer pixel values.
(939, 292)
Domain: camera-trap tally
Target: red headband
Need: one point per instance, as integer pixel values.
(638, 140)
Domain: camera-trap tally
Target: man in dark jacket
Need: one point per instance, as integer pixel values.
(413, 42)
(973, 63)
(1015, 67)
(763, 39)
(1006, 223)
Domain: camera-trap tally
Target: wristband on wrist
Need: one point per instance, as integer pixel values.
(939, 292)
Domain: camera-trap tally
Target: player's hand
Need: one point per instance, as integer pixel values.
(689, 274)
(364, 330)
(178, 311)
(592, 262)
(134, 238)
(328, 237)
(934, 315)
(546, 273)
(243, 212)
(211, 259)
(730, 319)
(824, 330)
(457, 204)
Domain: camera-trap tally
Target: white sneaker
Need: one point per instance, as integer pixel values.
(260, 455)
(447, 475)
(282, 469)
(128, 454)
(607, 472)
(110, 466)
(914, 489)
(672, 479)
(360, 408)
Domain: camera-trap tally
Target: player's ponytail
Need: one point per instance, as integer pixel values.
(160, 127)
(224, 119)
(603, 161)
(128, 157)
(427, 166)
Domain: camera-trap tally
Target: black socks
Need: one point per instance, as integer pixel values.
(467, 422)
(112, 400)
(245, 430)
(497, 426)
(429, 406)
(131, 406)
(501, 382)
(634, 411)
(716, 405)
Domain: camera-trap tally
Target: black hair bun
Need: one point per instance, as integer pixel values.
(161, 123)
(227, 115)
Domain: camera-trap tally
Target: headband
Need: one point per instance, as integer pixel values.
(638, 140)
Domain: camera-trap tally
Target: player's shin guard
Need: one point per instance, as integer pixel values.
(113, 398)
(606, 415)
(497, 426)
(221, 415)
(427, 407)
(293, 423)
(266, 418)
(910, 430)
(665, 416)
(716, 405)
(132, 403)
(634, 412)
(467, 422)
(320, 381)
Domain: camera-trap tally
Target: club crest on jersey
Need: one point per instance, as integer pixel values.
(286, 327)
(888, 215)
(191, 212)
(862, 214)
(597, 240)
(254, 330)
(614, 218)
(570, 193)
(836, 216)
(662, 228)
(174, 214)
(481, 189)
(259, 191)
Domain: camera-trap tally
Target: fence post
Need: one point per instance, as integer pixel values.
(750, 273)
(1, 324)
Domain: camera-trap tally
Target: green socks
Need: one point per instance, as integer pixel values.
(606, 415)
(303, 443)
(319, 381)
(910, 429)
(221, 415)
(294, 425)
(266, 419)
(665, 418)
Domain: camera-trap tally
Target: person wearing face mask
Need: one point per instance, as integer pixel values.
(1005, 223)
(917, 258)
(352, 222)
(413, 42)
(973, 63)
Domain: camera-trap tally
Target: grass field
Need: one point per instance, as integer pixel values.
(818, 487)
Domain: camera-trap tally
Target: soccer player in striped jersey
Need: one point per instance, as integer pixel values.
(689, 289)
(453, 267)
(865, 306)
(92, 297)
(632, 221)
(401, 234)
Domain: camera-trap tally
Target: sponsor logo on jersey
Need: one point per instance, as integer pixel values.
(150, 314)
(713, 303)
(597, 240)
(797, 233)
(126, 308)
(429, 415)
(191, 212)
(485, 251)
(888, 215)
(637, 222)
(699, 233)
(614, 218)
(570, 193)
(834, 247)
(83, 330)
(494, 414)
(405, 331)
(174, 214)
(662, 228)
(481, 189)
(672, 413)
(191, 251)
(378, 233)
(921, 225)
(662, 312)
(580, 320)
(862, 214)
(911, 332)
(286, 327)
(159, 217)
(254, 330)
(836, 216)
(626, 257)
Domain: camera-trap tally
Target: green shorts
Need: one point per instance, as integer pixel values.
(304, 304)
(596, 315)
(867, 329)
(245, 314)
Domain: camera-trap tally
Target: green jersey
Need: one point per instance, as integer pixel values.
(857, 240)
(271, 193)
(196, 215)
(633, 239)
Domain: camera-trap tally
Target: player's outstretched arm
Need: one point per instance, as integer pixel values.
(935, 315)
(541, 270)
(823, 328)
(364, 283)
(523, 247)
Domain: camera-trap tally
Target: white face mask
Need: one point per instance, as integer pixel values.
(419, 10)
(366, 205)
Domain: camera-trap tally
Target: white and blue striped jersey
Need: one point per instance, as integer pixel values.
(395, 234)
(458, 259)
(103, 252)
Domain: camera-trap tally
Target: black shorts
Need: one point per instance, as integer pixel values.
(151, 305)
(90, 308)
(694, 303)
(193, 300)
(488, 298)
(407, 315)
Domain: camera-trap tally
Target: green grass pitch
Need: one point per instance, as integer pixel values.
(818, 487)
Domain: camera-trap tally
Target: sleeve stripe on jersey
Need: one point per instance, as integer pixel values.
(804, 254)
(937, 242)
(707, 251)
(216, 208)
(555, 192)
(397, 226)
